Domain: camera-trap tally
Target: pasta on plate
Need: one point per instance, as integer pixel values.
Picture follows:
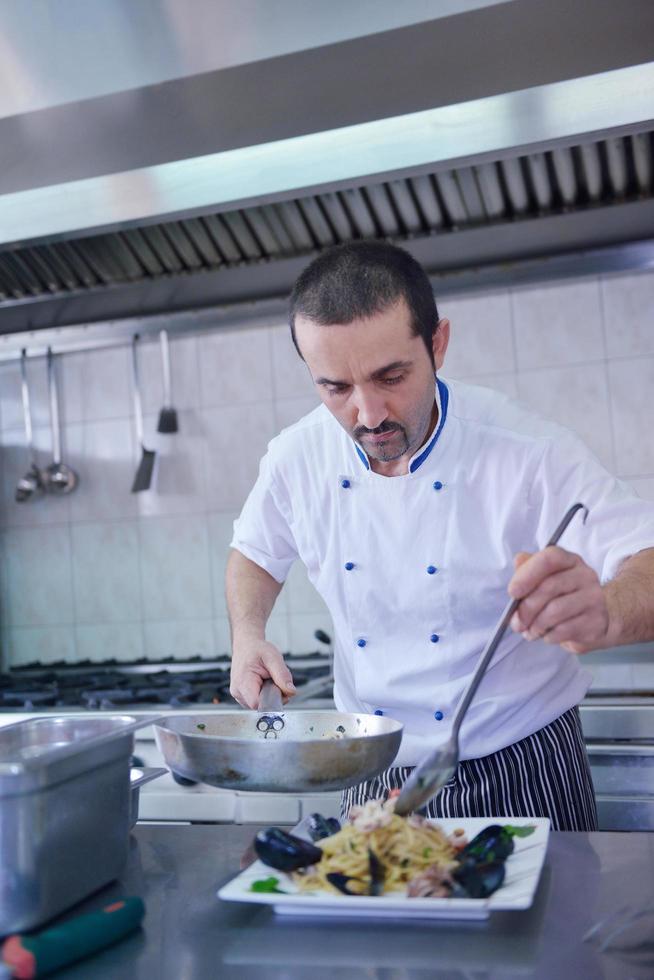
(379, 852)
(403, 847)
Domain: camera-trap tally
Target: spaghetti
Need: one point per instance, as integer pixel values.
(403, 848)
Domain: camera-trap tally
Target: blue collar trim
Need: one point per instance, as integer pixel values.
(444, 397)
(362, 456)
(419, 460)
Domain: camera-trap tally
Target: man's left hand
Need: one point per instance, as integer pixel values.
(562, 600)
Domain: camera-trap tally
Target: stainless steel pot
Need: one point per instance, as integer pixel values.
(65, 812)
(138, 777)
(295, 751)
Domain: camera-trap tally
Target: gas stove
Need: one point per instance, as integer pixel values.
(144, 688)
(113, 685)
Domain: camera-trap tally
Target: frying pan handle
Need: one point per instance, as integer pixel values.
(270, 698)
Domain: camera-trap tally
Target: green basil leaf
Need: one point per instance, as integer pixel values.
(267, 886)
(519, 831)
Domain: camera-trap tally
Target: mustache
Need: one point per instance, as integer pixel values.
(384, 427)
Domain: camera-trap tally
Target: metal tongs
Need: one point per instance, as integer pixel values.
(438, 768)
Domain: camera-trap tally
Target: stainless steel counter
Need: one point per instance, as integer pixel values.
(189, 934)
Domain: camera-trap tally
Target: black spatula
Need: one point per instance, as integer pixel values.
(167, 415)
(143, 477)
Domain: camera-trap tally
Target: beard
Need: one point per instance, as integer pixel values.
(395, 444)
(394, 438)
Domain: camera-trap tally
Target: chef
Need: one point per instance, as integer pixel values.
(415, 503)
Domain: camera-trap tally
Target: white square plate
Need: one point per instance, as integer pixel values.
(523, 869)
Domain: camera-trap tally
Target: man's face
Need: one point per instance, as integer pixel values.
(376, 377)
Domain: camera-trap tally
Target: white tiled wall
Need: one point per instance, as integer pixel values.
(106, 573)
(579, 351)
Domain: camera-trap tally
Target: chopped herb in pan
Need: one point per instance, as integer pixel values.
(201, 726)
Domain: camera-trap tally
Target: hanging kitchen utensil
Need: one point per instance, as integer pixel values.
(32, 483)
(57, 477)
(143, 477)
(167, 415)
(277, 751)
(438, 768)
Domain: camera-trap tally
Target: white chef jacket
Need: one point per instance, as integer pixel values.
(414, 569)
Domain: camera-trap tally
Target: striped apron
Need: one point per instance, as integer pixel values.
(543, 775)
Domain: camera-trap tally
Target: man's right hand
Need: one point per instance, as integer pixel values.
(254, 662)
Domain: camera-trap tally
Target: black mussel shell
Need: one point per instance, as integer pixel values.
(321, 827)
(377, 874)
(492, 844)
(283, 851)
(342, 882)
(478, 880)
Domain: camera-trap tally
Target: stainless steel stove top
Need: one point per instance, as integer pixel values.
(112, 686)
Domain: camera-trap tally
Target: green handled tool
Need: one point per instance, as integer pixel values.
(35, 955)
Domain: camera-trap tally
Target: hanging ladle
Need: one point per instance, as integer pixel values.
(57, 477)
(438, 768)
(32, 482)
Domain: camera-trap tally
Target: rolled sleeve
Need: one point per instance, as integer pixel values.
(262, 532)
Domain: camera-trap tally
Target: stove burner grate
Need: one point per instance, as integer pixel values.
(107, 689)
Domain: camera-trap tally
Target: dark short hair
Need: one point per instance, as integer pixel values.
(359, 279)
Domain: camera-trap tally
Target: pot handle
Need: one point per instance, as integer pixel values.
(146, 774)
(321, 685)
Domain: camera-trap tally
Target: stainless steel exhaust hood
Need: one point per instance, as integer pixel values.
(513, 132)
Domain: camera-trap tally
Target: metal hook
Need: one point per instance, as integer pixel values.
(566, 520)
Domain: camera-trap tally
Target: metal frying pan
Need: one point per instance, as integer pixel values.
(276, 751)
